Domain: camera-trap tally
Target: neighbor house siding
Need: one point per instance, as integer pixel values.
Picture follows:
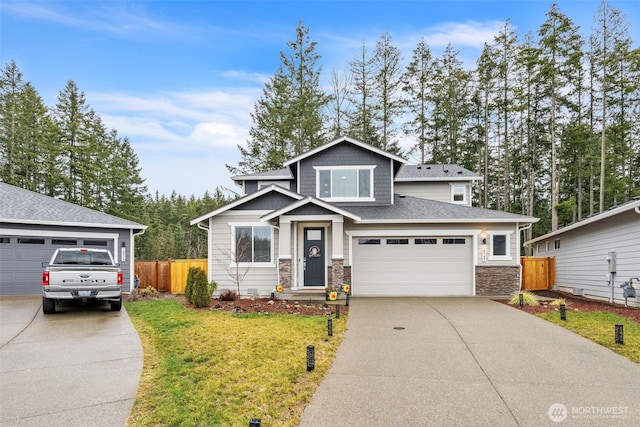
(346, 154)
(581, 258)
(262, 278)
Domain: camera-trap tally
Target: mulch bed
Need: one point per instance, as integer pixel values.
(576, 303)
(265, 305)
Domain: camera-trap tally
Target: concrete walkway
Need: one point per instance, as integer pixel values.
(469, 362)
(78, 367)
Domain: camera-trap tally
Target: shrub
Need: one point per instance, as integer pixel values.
(228, 296)
(188, 290)
(558, 302)
(527, 298)
(200, 294)
(149, 291)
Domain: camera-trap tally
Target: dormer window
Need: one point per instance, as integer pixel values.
(459, 193)
(344, 183)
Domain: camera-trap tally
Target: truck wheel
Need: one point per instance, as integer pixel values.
(48, 305)
(116, 305)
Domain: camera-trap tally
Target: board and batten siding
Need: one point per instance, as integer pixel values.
(581, 259)
(262, 278)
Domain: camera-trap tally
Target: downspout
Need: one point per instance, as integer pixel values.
(520, 230)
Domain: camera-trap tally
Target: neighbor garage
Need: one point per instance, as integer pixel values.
(33, 226)
(412, 266)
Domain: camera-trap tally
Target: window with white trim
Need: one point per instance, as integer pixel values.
(458, 193)
(345, 183)
(500, 246)
(252, 244)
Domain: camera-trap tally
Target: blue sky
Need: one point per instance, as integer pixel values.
(180, 78)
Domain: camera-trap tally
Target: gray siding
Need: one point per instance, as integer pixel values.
(581, 259)
(311, 209)
(268, 202)
(347, 154)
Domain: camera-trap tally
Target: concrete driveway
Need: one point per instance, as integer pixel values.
(78, 367)
(469, 362)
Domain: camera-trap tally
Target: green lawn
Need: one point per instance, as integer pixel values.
(218, 369)
(599, 327)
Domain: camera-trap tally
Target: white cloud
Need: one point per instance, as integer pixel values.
(183, 139)
(460, 35)
(218, 134)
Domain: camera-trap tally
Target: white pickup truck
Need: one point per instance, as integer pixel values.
(83, 275)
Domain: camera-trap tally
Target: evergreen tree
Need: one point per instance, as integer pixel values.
(11, 88)
(387, 60)
(288, 119)
(416, 89)
(558, 43)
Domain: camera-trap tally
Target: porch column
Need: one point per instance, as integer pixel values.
(284, 254)
(337, 256)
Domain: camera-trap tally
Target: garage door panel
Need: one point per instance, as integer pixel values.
(413, 269)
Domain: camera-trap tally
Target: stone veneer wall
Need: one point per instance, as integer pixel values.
(497, 280)
(284, 273)
(341, 269)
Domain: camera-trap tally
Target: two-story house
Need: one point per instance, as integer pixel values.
(349, 213)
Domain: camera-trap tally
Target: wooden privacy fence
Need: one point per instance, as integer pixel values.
(538, 273)
(167, 276)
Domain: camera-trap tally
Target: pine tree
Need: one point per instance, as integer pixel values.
(11, 88)
(416, 89)
(288, 119)
(558, 43)
(387, 60)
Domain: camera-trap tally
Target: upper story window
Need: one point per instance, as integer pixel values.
(345, 183)
(459, 193)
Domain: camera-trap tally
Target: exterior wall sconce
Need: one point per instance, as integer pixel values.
(123, 252)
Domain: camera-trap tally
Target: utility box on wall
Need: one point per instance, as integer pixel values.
(611, 261)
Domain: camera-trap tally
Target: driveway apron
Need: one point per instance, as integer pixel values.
(78, 367)
(469, 361)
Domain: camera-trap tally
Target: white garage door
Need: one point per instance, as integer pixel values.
(412, 266)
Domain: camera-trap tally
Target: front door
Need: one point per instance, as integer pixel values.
(314, 259)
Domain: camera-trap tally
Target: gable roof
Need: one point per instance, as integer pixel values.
(407, 209)
(20, 206)
(246, 198)
(310, 201)
(616, 210)
(412, 173)
(341, 140)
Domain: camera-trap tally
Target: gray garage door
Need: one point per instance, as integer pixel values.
(21, 260)
(412, 266)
